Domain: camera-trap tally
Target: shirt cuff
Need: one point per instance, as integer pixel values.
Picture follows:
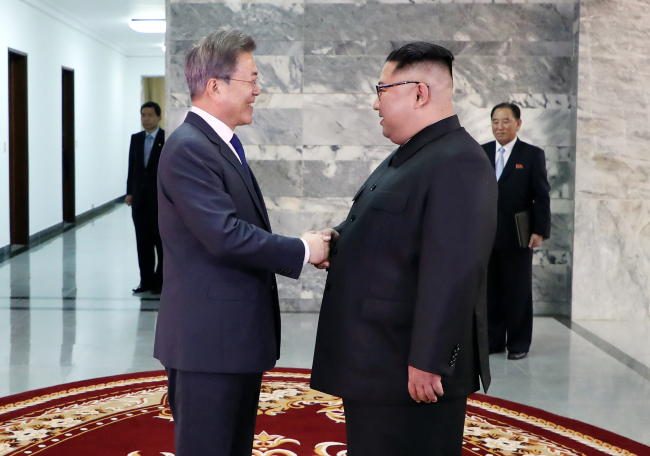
(307, 252)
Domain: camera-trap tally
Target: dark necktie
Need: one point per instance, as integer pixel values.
(236, 143)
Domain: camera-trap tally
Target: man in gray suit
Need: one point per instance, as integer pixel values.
(219, 321)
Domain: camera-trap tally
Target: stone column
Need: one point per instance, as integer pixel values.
(612, 215)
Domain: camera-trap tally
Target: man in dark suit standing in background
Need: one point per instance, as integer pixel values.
(523, 186)
(142, 196)
(403, 318)
(219, 321)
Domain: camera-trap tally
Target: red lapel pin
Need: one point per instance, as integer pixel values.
(518, 166)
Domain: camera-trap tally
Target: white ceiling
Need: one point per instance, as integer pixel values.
(108, 21)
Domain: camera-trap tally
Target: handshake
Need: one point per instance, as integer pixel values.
(319, 246)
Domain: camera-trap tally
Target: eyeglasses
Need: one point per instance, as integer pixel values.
(383, 87)
(254, 82)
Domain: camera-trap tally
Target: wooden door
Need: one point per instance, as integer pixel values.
(18, 149)
(68, 143)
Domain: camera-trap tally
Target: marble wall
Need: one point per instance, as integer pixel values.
(315, 137)
(612, 214)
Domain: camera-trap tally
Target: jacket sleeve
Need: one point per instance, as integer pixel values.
(541, 196)
(129, 176)
(458, 231)
(198, 194)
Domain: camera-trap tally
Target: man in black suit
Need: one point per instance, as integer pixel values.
(219, 321)
(403, 318)
(141, 195)
(520, 169)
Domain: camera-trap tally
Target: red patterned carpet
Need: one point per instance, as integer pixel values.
(128, 415)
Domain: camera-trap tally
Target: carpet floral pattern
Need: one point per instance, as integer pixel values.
(129, 416)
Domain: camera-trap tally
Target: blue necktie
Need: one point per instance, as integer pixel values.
(236, 143)
(498, 167)
(148, 145)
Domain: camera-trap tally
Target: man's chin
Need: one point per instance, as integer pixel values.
(246, 121)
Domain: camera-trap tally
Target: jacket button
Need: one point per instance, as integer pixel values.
(352, 217)
(273, 288)
(373, 187)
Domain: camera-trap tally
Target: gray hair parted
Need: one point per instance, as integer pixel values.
(215, 56)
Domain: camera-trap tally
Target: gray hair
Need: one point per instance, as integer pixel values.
(215, 56)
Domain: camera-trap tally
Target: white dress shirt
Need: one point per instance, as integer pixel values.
(226, 134)
(507, 151)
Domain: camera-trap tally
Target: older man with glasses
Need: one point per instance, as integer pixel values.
(219, 320)
(402, 335)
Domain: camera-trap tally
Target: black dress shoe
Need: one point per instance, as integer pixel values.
(141, 289)
(492, 352)
(517, 355)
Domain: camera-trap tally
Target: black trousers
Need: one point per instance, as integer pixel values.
(510, 299)
(214, 414)
(147, 236)
(434, 429)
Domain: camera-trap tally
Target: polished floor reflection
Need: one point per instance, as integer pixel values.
(67, 314)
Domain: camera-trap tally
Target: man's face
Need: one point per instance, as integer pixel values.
(395, 105)
(238, 96)
(150, 120)
(504, 125)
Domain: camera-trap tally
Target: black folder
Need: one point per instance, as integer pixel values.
(524, 228)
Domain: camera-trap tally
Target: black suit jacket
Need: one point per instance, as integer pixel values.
(523, 186)
(219, 308)
(407, 282)
(141, 182)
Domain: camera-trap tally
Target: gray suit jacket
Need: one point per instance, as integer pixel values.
(219, 308)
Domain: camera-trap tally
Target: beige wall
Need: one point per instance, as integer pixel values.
(153, 89)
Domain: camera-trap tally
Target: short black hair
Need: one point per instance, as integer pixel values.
(152, 104)
(421, 52)
(511, 106)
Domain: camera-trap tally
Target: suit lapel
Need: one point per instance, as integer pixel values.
(512, 160)
(229, 155)
(491, 150)
(261, 198)
(139, 151)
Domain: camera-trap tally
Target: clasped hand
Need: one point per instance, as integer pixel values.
(319, 246)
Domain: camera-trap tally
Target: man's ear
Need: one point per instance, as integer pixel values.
(212, 88)
(422, 95)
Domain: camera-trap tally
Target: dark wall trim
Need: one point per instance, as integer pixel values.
(619, 355)
(10, 251)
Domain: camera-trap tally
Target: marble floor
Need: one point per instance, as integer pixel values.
(67, 314)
